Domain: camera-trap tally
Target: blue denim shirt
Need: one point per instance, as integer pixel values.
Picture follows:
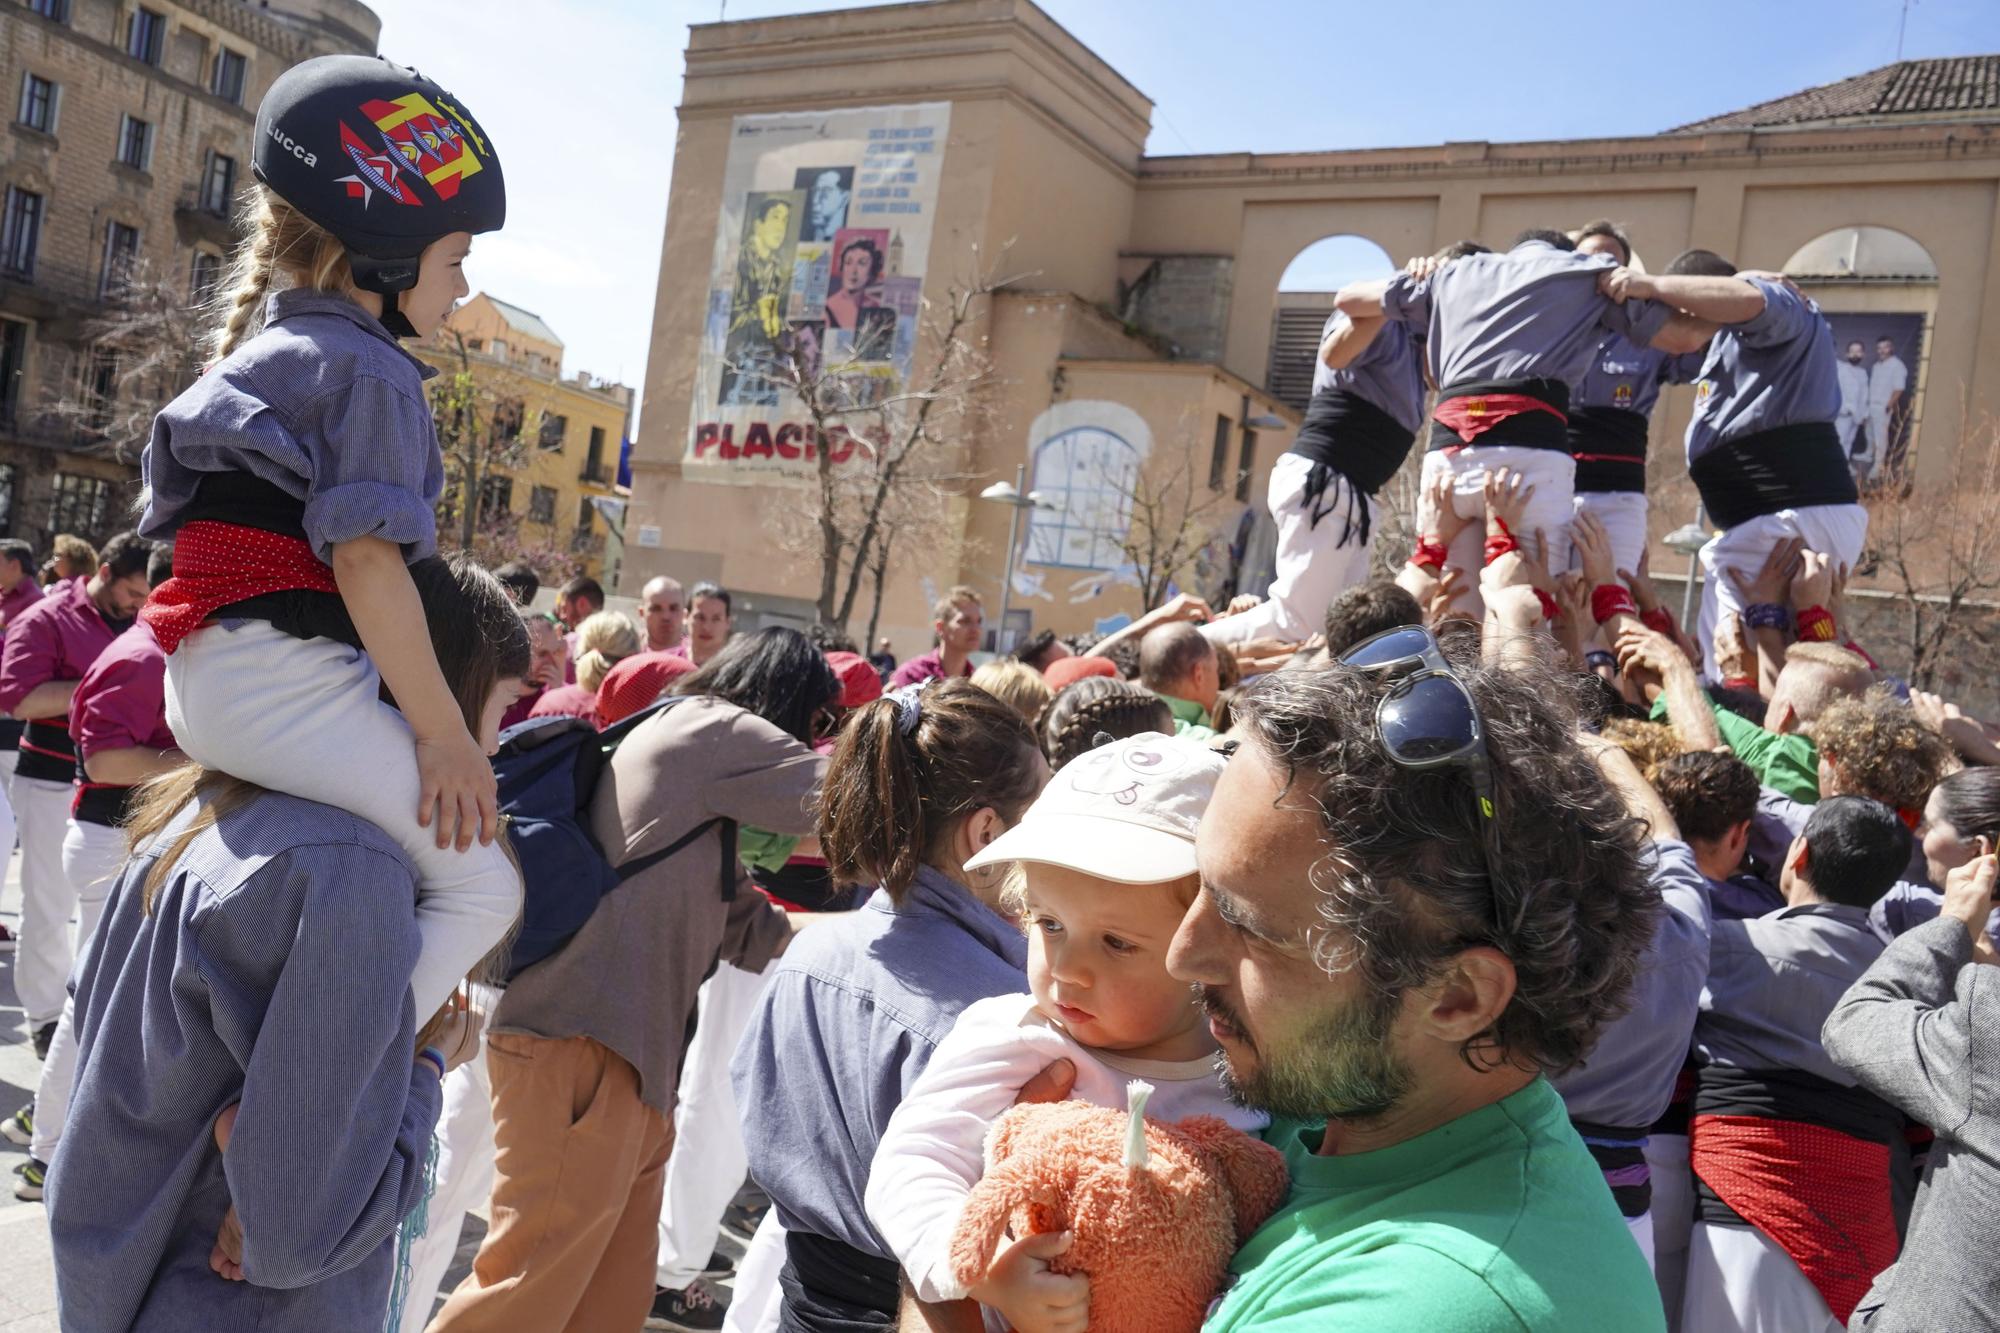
(853, 1012)
(273, 972)
(1627, 1081)
(325, 405)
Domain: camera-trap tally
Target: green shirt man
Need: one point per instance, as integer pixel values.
(1498, 1220)
(1189, 717)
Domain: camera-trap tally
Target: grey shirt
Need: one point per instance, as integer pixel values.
(1773, 981)
(1627, 1081)
(629, 978)
(1921, 1030)
(325, 405)
(1385, 372)
(852, 1015)
(1776, 369)
(1625, 375)
(274, 972)
(1531, 313)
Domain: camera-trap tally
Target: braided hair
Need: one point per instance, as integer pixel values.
(283, 248)
(1099, 709)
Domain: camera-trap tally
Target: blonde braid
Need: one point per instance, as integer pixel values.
(284, 248)
(249, 283)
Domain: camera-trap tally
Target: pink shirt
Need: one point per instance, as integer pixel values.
(121, 702)
(57, 638)
(566, 701)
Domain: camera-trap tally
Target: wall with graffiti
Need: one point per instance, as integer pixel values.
(818, 275)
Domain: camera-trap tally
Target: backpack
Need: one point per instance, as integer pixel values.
(548, 769)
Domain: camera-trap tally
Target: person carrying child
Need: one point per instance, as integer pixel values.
(299, 477)
(1104, 873)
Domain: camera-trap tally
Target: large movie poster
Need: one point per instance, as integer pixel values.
(819, 272)
(1879, 355)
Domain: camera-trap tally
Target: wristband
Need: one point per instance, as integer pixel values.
(1816, 625)
(1502, 544)
(436, 1059)
(1659, 620)
(1429, 554)
(1549, 608)
(1611, 599)
(1767, 615)
(1599, 657)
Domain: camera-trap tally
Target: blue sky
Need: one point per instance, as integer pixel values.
(579, 98)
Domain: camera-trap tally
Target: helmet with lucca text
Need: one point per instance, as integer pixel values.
(382, 158)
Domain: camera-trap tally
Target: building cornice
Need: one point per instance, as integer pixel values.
(1662, 153)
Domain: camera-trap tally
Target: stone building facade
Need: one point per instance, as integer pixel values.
(126, 150)
(1180, 258)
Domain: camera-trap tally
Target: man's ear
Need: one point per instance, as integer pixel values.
(1470, 997)
(1801, 854)
(1780, 718)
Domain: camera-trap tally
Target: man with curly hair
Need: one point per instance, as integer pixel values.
(1395, 960)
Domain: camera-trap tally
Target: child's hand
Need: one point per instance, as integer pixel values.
(1031, 1298)
(458, 788)
(226, 1258)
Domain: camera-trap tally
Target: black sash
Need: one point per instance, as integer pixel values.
(251, 502)
(1354, 437)
(47, 752)
(1610, 448)
(831, 1287)
(1526, 430)
(1786, 467)
(1629, 1152)
(99, 804)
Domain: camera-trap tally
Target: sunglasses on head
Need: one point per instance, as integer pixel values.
(1427, 719)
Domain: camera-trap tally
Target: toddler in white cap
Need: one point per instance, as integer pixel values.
(1107, 871)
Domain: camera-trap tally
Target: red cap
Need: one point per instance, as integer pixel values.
(636, 682)
(1073, 669)
(860, 683)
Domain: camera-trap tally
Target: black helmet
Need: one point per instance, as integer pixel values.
(382, 158)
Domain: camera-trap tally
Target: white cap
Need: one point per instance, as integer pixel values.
(1126, 811)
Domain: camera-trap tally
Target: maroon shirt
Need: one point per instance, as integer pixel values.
(120, 704)
(518, 710)
(55, 639)
(920, 669)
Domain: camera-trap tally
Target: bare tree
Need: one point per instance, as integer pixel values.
(886, 464)
(1938, 550)
(1173, 518)
(149, 343)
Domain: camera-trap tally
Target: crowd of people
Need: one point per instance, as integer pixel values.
(1571, 968)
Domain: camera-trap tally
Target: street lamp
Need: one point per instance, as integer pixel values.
(1009, 493)
(1688, 539)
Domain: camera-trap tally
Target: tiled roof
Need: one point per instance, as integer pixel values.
(1954, 86)
(525, 321)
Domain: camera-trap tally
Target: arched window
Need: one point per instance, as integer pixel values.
(1863, 254)
(1305, 299)
(1089, 473)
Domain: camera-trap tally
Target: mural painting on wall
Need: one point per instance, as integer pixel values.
(1878, 359)
(819, 264)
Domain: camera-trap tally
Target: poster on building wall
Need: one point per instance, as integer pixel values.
(818, 275)
(1879, 355)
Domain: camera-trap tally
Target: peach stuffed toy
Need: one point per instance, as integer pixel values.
(1156, 1209)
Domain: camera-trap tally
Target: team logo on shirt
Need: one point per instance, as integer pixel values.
(408, 137)
(1622, 396)
(1703, 391)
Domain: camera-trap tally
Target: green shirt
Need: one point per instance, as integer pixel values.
(1788, 764)
(1497, 1221)
(1190, 718)
(760, 849)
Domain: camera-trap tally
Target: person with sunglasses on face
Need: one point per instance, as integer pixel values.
(1421, 897)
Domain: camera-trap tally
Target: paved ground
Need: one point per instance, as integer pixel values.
(27, 1272)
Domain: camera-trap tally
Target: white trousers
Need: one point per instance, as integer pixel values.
(1878, 437)
(464, 1174)
(758, 1300)
(42, 965)
(1741, 1281)
(702, 1180)
(1673, 1217)
(1641, 1229)
(8, 760)
(92, 856)
(1623, 514)
(1837, 531)
(1316, 562)
(1551, 472)
(305, 716)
